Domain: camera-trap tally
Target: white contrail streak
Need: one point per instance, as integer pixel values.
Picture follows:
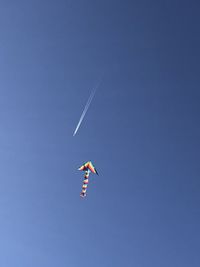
(86, 108)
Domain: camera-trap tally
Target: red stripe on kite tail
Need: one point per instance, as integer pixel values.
(86, 175)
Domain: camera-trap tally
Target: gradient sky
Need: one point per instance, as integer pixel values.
(142, 133)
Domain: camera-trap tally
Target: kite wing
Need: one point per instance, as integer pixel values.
(88, 166)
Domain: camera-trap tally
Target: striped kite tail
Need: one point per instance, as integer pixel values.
(85, 184)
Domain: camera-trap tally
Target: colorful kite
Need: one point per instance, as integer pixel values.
(88, 168)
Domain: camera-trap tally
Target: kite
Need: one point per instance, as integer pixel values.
(88, 168)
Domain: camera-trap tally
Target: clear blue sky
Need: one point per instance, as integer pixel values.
(142, 133)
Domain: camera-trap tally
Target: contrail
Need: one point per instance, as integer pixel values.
(86, 107)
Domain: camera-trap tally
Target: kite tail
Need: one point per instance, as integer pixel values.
(85, 184)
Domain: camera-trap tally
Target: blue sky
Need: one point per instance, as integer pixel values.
(141, 132)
